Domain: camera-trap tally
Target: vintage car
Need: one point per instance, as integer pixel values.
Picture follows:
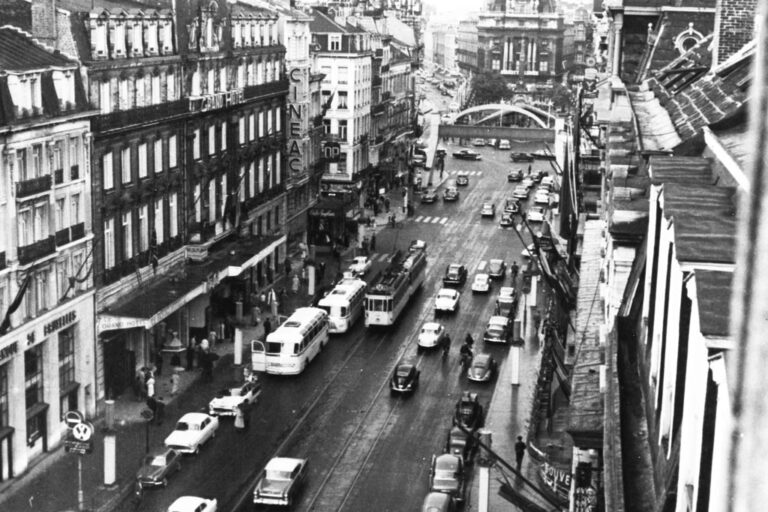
(429, 196)
(483, 368)
(511, 205)
(193, 504)
(478, 142)
(281, 481)
(192, 431)
(450, 194)
(541, 196)
(469, 413)
(498, 330)
(447, 475)
(405, 378)
(462, 178)
(506, 302)
(482, 283)
(438, 502)
(461, 444)
(515, 175)
(537, 175)
(455, 274)
(497, 269)
(447, 301)
(430, 336)
(417, 245)
(228, 400)
(360, 265)
(521, 157)
(488, 209)
(505, 144)
(157, 467)
(535, 214)
(466, 154)
(520, 192)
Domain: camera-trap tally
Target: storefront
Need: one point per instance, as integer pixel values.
(332, 220)
(47, 364)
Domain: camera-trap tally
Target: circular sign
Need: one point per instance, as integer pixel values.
(147, 414)
(82, 431)
(73, 418)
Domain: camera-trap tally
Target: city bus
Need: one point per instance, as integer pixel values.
(289, 348)
(387, 297)
(344, 304)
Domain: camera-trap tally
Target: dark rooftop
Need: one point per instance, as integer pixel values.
(19, 52)
(677, 169)
(713, 295)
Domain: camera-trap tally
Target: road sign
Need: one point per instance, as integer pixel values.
(72, 418)
(147, 414)
(82, 431)
(78, 447)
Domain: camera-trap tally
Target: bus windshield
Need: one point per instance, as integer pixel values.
(274, 347)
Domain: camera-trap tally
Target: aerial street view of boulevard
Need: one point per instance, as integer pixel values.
(383, 255)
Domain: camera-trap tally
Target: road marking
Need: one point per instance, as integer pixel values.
(419, 218)
(436, 219)
(443, 220)
(381, 257)
(426, 220)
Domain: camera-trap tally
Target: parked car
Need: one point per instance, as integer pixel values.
(193, 504)
(455, 274)
(229, 399)
(467, 154)
(192, 431)
(417, 245)
(360, 265)
(541, 196)
(548, 181)
(447, 300)
(511, 205)
(537, 175)
(520, 192)
(468, 412)
(515, 175)
(438, 502)
(481, 283)
(462, 178)
(451, 194)
(461, 444)
(429, 196)
(447, 475)
(529, 249)
(506, 302)
(507, 220)
(405, 378)
(535, 214)
(521, 157)
(498, 330)
(488, 209)
(543, 154)
(492, 143)
(431, 335)
(504, 144)
(483, 368)
(157, 467)
(478, 142)
(281, 482)
(497, 269)
(527, 183)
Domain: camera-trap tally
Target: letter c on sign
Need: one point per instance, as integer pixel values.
(294, 164)
(293, 73)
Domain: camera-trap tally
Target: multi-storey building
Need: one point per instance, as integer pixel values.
(444, 46)
(466, 46)
(522, 41)
(47, 352)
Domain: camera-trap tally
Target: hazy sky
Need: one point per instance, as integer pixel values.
(456, 6)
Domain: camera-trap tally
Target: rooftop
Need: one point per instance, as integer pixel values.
(19, 52)
(714, 300)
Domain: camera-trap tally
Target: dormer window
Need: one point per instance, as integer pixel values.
(262, 33)
(137, 42)
(25, 92)
(99, 37)
(334, 42)
(118, 41)
(64, 83)
(273, 39)
(209, 32)
(152, 37)
(166, 34)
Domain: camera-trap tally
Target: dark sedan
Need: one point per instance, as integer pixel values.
(521, 157)
(429, 196)
(483, 368)
(455, 275)
(451, 194)
(507, 220)
(462, 178)
(461, 444)
(469, 413)
(467, 154)
(157, 467)
(497, 269)
(405, 379)
(515, 175)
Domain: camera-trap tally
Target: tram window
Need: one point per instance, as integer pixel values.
(343, 311)
(274, 347)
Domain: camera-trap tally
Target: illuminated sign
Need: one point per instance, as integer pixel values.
(300, 80)
(214, 101)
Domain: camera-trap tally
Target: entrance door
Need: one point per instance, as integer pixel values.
(258, 356)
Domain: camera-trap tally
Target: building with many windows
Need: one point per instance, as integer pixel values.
(47, 356)
(466, 46)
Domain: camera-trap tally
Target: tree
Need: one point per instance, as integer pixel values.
(489, 87)
(562, 98)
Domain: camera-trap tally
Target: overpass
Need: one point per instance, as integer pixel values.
(479, 119)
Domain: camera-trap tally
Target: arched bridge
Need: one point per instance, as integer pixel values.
(529, 123)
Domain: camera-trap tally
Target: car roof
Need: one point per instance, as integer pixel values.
(187, 502)
(496, 261)
(498, 320)
(283, 464)
(482, 358)
(404, 366)
(194, 417)
(435, 501)
(506, 291)
(433, 326)
(455, 265)
(447, 461)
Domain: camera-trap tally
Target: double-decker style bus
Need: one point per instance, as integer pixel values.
(387, 297)
(344, 304)
(289, 348)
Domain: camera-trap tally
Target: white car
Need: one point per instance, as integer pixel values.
(504, 144)
(193, 504)
(432, 333)
(548, 181)
(520, 192)
(282, 480)
(192, 431)
(447, 300)
(482, 283)
(227, 402)
(360, 265)
(535, 214)
(541, 197)
(531, 249)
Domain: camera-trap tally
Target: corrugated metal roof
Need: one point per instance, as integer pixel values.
(713, 296)
(679, 169)
(692, 198)
(657, 131)
(19, 52)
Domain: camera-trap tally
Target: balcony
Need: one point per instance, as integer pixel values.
(376, 81)
(142, 115)
(264, 90)
(35, 251)
(77, 231)
(386, 95)
(33, 186)
(74, 172)
(3, 262)
(379, 109)
(62, 237)
(58, 176)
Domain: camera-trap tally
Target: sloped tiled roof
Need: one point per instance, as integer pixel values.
(713, 296)
(323, 24)
(19, 52)
(680, 169)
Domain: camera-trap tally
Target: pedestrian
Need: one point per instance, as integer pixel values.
(386, 199)
(159, 410)
(239, 418)
(267, 327)
(159, 362)
(287, 266)
(138, 386)
(373, 242)
(520, 447)
(304, 275)
(174, 383)
(529, 169)
(295, 284)
(191, 353)
(321, 270)
(150, 386)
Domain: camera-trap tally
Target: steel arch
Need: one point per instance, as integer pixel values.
(502, 108)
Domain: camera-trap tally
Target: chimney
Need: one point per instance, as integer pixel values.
(44, 21)
(734, 27)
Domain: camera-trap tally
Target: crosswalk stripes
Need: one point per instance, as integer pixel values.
(436, 219)
(429, 219)
(419, 218)
(443, 220)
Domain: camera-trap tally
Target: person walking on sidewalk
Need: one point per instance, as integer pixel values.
(295, 284)
(373, 242)
(240, 419)
(520, 447)
(287, 266)
(267, 327)
(175, 383)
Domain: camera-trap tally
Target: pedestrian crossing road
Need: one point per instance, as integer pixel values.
(469, 173)
(428, 219)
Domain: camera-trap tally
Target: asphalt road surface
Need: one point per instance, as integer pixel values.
(366, 449)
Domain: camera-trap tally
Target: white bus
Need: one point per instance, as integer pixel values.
(387, 297)
(290, 347)
(344, 304)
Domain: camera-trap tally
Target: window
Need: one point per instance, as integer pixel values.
(277, 167)
(196, 145)
(43, 290)
(241, 130)
(158, 156)
(58, 155)
(251, 127)
(123, 95)
(33, 376)
(270, 128)
(106, 171)
(212, 201)
(141, 84)
(343, 75)
(66, 359)
(62, 270)
(171, 86)
(37, 161)
(127, 236)
(261, 175)
(223, 195)
(155, 98)
(261, 124)
(212, 139)
(326, 126)
(224, 136)
(223, 79)
(196, 86)
(259, 73)
(21, 164)
(172, 163)
(105, 97)
(40, 219)
(252, 180)
(143, 160)
(74, 210)
(125, 164)
(59, 221)
(173, 220)
(143, 228)
(77, 263)
(544, 66)
(4, 419)
(109, 243)
(334, 42)
(343, 99)
(74, 151)
(343, 129)
(278, 120)
(211, 85)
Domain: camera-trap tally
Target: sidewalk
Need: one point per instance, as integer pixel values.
(50, 484)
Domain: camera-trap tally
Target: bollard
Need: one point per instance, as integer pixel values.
(110, 444)
(239, 311)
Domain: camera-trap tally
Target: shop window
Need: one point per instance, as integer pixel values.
(33, 376)
(4, 416)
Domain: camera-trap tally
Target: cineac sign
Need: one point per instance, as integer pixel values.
(296, 111)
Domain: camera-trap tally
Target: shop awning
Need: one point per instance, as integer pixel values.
(152, 302)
